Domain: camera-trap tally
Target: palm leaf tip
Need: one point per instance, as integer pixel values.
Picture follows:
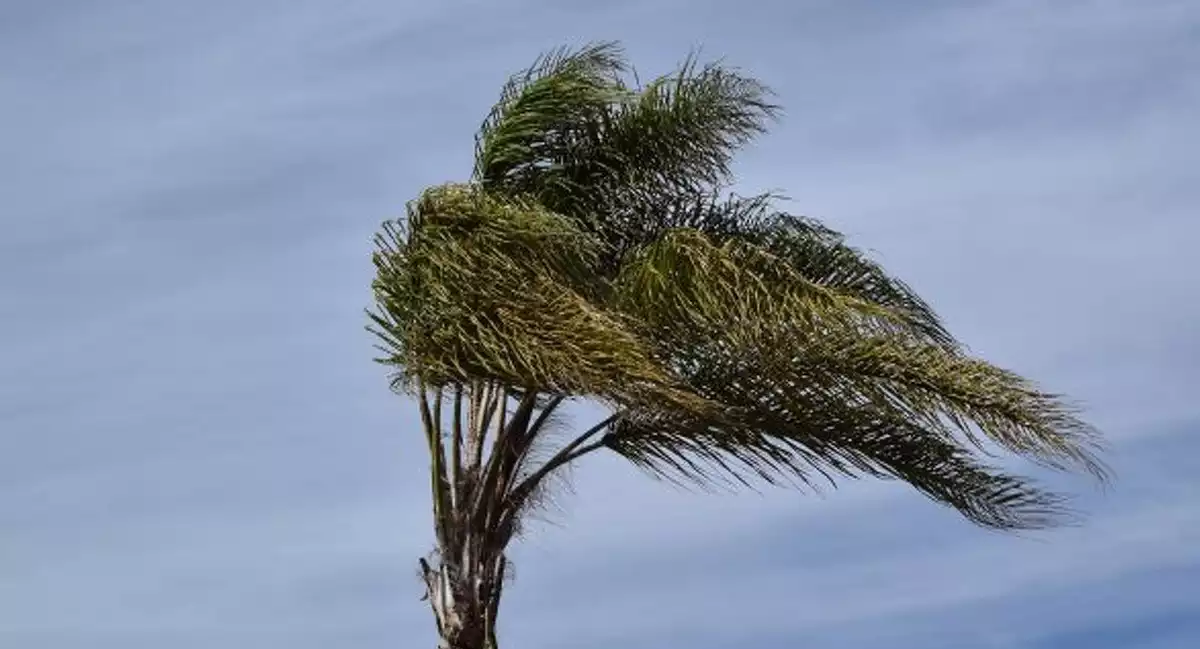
(946, 472)
(815, 379)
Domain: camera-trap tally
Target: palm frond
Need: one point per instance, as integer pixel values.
(951, 392)
(541, 110)
(653, 156)
(685, 284)
(745, 329)
(571, 133)
(475, 287)
(595, 253)
(807, 247)
(821, 255)
(684, 128)
(833, 441)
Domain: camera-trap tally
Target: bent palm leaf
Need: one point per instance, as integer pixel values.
(597, 253)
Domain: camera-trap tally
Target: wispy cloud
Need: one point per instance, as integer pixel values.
(195, 450)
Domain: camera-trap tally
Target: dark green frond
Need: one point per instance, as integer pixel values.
(655, 156)
(808, 248)
(542, 110)
(682, 130)
(571, 133)
(639, 219)
(821, 255)
(832, 441)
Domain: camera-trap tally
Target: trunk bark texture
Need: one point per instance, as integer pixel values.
(465, 600)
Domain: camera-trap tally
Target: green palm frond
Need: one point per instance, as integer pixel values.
(834, 440)
(570, 132)
(953, 393)
(479, 287)
(596, 252)
(822, 256)
(543, 110)
(686, 284)
(683, 129)
(807, 247)
(781, 352)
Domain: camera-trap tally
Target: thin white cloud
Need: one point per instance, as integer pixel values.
(196, 450)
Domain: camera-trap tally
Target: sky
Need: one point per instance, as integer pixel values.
(196, 450)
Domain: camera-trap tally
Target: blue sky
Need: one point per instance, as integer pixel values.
(195, 450)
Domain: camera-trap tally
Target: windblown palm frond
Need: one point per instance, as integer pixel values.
(477, 287)
(596, 252)
(822, 256)
(823, 438)
(815, 377)
(541, 114)
(572, 134)
(815, 252)
(677, 135)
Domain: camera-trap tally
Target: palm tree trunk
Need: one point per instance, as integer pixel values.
(474, 516)
(465, 602)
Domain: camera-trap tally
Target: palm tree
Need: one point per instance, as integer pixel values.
(596, 253)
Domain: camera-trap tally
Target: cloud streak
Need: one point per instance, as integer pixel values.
(195, 450)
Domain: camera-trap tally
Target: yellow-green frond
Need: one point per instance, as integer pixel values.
(782, 354)
(478, 287)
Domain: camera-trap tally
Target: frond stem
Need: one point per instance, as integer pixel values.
(572, 451)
